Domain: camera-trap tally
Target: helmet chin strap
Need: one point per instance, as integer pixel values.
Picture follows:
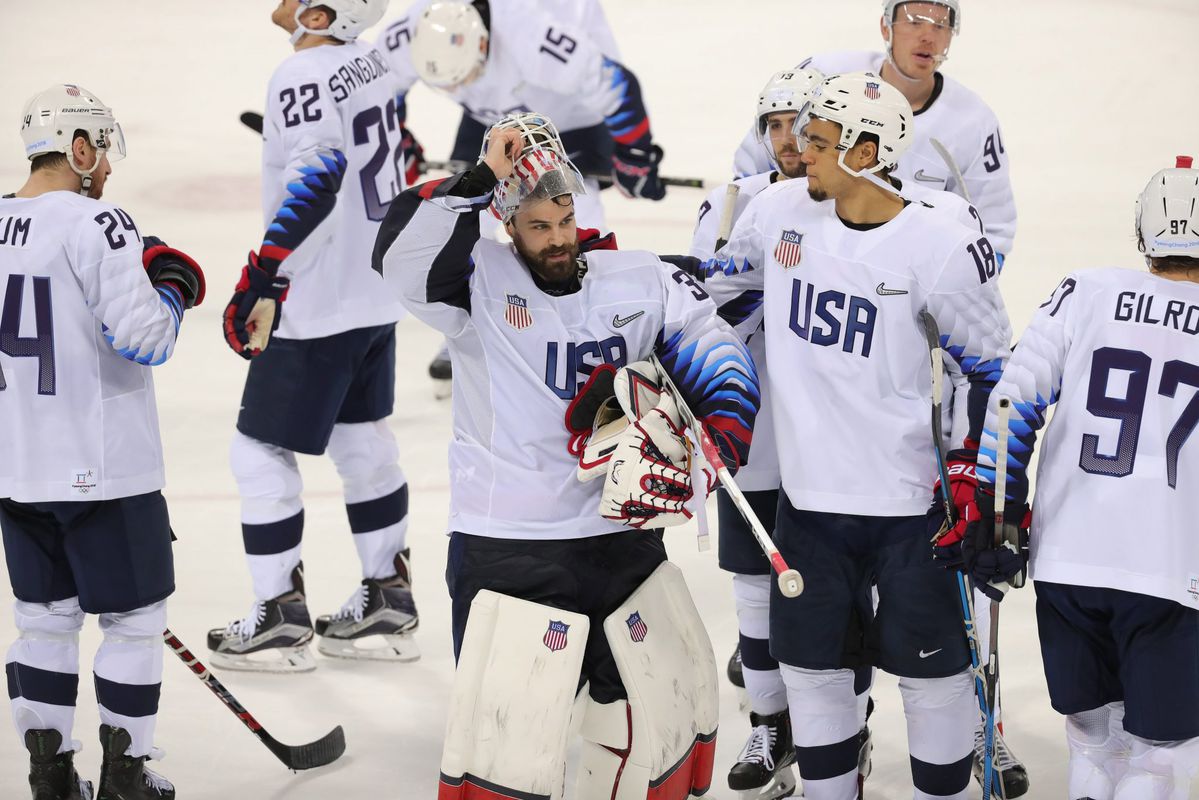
(301, 29)
(85, 176)
(869, 174)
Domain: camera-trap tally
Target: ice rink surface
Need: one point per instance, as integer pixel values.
(1094, 96)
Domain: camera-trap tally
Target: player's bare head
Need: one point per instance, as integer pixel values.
(546, 237)
(449, 44)
(781, 100)
(1167, 221)
(71, 137)
(856, 125)
(918, 34)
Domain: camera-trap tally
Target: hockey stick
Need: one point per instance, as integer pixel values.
(986, 705)
(726, 215)
(789, 580)
(253, 121)
(324, 750)
(943, 152)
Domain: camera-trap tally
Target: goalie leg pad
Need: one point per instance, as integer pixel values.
(661, 742)
(514, 689)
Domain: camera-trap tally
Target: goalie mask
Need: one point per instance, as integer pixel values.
(1167, 213)
(53, 115)
(542, 170)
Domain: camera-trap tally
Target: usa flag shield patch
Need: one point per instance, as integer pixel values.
(786, 252)
(872, 91)
(637, 627)
(555, 635)
(517, 312)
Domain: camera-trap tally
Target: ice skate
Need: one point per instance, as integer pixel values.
(377, 621)
(736, 676)
(441, 370)
(273, 637)
(763, 770)
(124, 777)
(1011, 771)
(52, 775)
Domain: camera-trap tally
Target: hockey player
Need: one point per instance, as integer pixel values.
(1116, 349)
(504, 56)
(326, 382)
(88, 306)
(540, 326)
(917, 37)
(850, 335)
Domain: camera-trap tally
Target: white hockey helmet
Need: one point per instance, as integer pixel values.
(891, 9)
(542, 171)
(1168, 213)
(788, 90)
(449, 44)
(351, 18)
(53, 115)
(862, 102)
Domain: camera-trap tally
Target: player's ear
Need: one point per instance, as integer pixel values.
(865, 154)
(82, 150)
(316, 18)
(884, 29)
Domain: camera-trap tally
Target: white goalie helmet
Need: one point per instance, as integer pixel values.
(1168, 213)
(788, 90)
(52, 116)
(541, 171)
(449, 44)
(352, 17)
(862, 102)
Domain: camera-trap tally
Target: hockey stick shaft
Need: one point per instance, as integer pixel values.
(958, 178)
(253, 121)
(323, 751)
(789, 580)
(726, 215)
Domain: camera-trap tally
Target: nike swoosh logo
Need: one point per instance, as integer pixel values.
(619, 321)
(884, 291)
(930, 652)
(920, 176)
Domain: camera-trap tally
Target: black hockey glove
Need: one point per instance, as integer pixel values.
(242, 314)
(165, 264)
(635, 171)
(992, 566)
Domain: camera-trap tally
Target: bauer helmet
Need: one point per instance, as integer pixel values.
(449, 45)
(862, 102)
(789, 90)
(1168, 213)
(351, 17)
(53, 115)
(891, 10)
(541, 171)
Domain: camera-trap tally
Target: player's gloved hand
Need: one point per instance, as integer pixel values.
(252, 314)
(963, 486)
(165, 264)
(635, 171)
(995, 567)
(413, 155)
(583, 416)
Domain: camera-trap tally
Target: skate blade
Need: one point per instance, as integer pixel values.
(399, 647)
(279, 659)
(783, 785)
(442, 389)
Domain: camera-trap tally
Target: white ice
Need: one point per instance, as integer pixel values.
(1094, 96)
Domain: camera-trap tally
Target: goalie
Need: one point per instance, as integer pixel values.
(548, 594)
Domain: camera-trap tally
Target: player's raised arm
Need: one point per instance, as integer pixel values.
(710, 365)
(427, 238)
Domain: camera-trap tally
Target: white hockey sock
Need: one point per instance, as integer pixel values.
(43, 667)
(128, 671)
(763, 681)
(376, 493)
(941, 714)
(825, 722)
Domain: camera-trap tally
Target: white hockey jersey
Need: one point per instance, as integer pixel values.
(547, 57)
(844, 345)
(1118, 351)
(330, 167)
(81, 325)
(741, 296)
(954, 116)
(521, 355)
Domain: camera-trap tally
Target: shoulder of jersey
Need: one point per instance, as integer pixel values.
(607, 262)
(940, 226)
(792, 193)
(964, 101)
(752, 184)
(836, 62)
(314, 63)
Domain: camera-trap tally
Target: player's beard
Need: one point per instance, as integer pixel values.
(799, 171)
(816, 193)
(558, 270)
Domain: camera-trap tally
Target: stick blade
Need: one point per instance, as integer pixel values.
(252, 120)
(323, 751)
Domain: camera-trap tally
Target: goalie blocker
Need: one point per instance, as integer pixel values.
(516, 700)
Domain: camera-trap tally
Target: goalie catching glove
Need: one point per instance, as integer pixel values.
(625, 429)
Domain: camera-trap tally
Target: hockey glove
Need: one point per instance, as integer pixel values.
(995, 567)
(583, 413)
(963, 486)
(635, 171)
(166, 265)
(252, 314)
(413, 155)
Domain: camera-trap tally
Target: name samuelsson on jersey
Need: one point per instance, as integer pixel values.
(14, 228)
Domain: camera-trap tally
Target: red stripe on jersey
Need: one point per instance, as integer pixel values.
(635, 133)
(426, 188)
